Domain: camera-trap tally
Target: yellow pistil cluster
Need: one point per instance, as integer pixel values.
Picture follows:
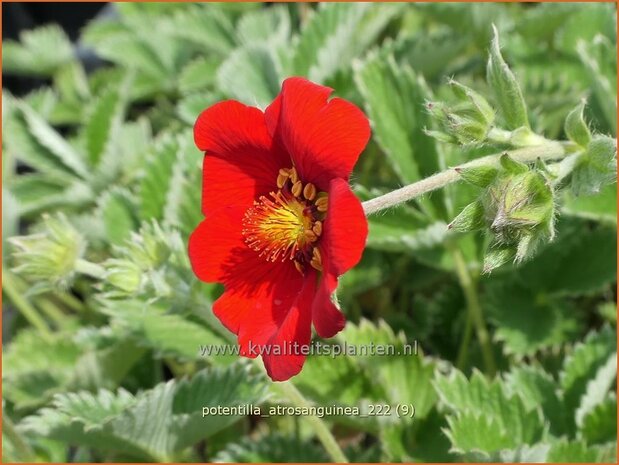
(288, 223)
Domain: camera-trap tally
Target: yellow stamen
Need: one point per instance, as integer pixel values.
(317, 228)
(316, 261)
(297, 188)
(322, 204)
(309, 192)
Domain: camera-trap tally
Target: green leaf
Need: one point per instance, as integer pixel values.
(579, 452)
(102, 123)
(394, 96)
(117, 213)
(576, 128)
(400, 231)
(485, 418)
(596, 168)
(601, 207)
(538, 388)
(166, 333)
(153, 425)
(603, 90)
(416, 387)
(35, 367)
(41, 52)
(266, 25)
(505, 87)
(274, 448)
(327, 41)
(206, 26)
(583, 363)
(600, 424)
(251, 74)
(198, 74)
(54, 142)
(597, 388)
(580, 261)
(528, 322)
(157, 178)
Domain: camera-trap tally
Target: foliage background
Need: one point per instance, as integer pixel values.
(101, 334)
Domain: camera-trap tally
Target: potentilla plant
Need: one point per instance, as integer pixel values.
(257, 237)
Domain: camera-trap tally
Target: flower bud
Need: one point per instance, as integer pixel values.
(467, 121)
(50, 255)
(498, 256)
(122, 278)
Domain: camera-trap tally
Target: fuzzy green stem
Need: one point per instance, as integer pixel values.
(469, 288)
(550, 151)
(22, 450)
(24, 306)
(88, 268)
(319, 427)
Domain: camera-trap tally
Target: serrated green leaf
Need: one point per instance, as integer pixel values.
(582, 364)
(527, 322)
(205, 26)
(269, 25)
(251, 74)
(503, 421)
(54, 142)
(153, 425)
(580, 452)
(600, 424)
(166, 333)
(394, 97)
(537, 388)
(41, 51)
(273, 448)
(102, 124)
(158, 173)
(117, 213)
(198, 74)
(597, 388)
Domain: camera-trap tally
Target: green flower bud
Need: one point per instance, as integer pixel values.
(480, 176)
(576, 128)
(151, 247)
(124, 277)
(51, 255)
(468, 121)
(595, 168)
(518, 205)
(505, 87)
(481, 109)
(471, 218)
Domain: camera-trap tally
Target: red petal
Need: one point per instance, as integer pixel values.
(327, 319)
(343, 239)
(294, 333)
(324, 138)
(240, 162)
(214, 241)
(345, 228)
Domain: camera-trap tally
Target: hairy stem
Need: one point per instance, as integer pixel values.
(90, 269)
(319, 426)
(22, 450)
(469, 287)
(550, 151)
(24, 307)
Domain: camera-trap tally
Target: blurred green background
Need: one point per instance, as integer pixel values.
(103, 318)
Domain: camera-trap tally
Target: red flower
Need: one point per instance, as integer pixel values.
(281, 223)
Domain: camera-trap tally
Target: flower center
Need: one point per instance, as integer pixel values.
(287, 224)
